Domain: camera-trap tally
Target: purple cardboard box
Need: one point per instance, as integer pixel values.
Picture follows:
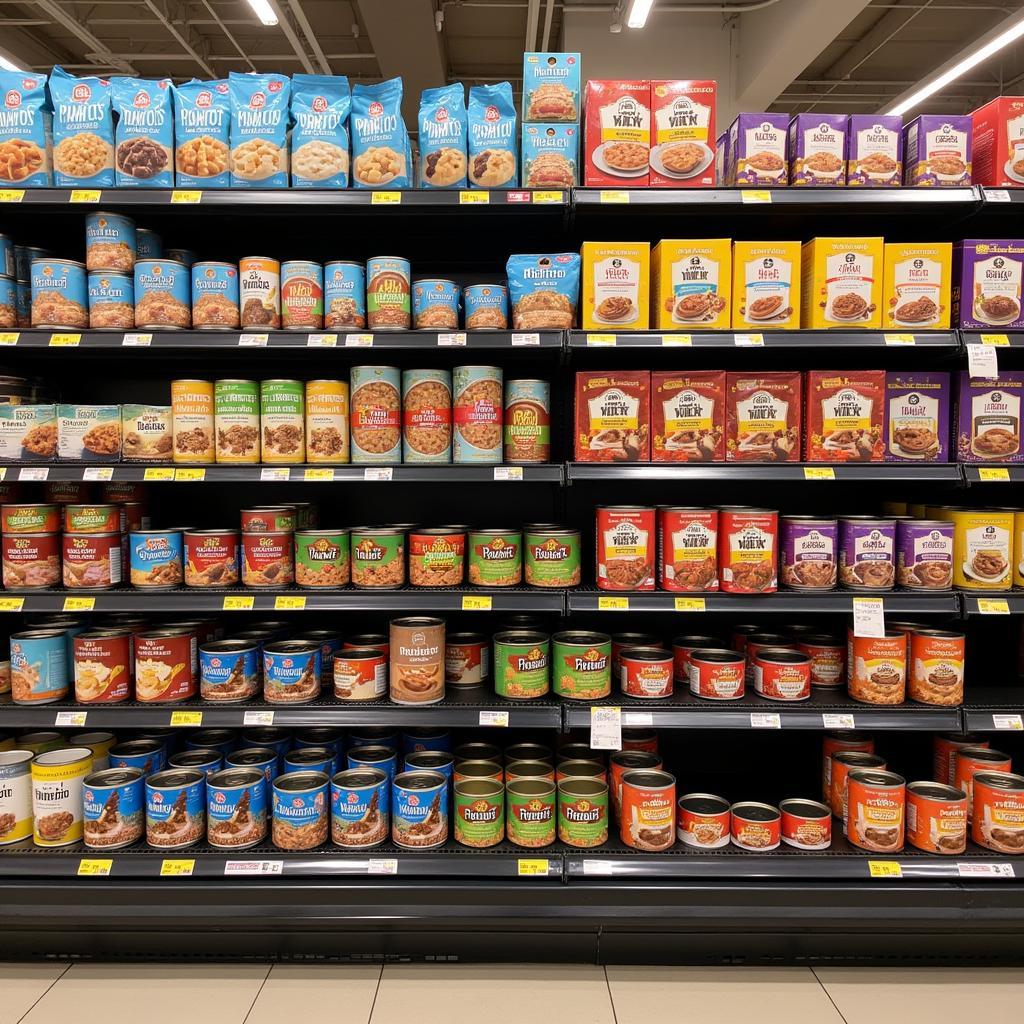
(987, 279)
(937, 151)
(988, 418)
(721, 158)
(874, 151)
(917, 417)
(817, 149)
(757, 150)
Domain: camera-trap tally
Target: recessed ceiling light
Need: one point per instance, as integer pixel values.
(638, 13)
(263, 11)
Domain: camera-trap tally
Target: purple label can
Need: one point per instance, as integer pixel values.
(435, 304)
(236, 808)
(809, 552)
(344, 295)
(360, 807)
(924, 554)
(867, 553)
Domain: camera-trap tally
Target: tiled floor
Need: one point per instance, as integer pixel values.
(464, 994)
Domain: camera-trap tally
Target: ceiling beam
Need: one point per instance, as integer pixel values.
(61, 16)
(189, 40)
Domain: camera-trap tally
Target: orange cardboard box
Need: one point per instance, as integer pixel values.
(683, 134)
(617, 139)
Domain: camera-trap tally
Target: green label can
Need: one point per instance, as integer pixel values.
(518, 770)
(522, 664)
(283, 419)
(582, 665)
(552, 558)
(378, 557)
(495, 558)
(236, 414)
(322, 558)
(530, 812)
(583, 812)
(479, 813)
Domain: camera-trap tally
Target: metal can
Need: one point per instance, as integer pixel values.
(486, 307)
(623, 761)
(435, 304)
(39, 666)
(687, 549)
(647, 819)
(584, 768)
(808, 550)
(23, 257)
(924, 554)
(322, 558)
(437, 557)
(477, 408)
(430, 760)
(311, 759)
(982, 549)
(748, 550)
(419, 817)
(186, 256)
(646, 673)
(844, 762)
(236, 808)
(319, 736)
(877, 667)
(300, 810)
(157, 559)
(828, 659)
(236, 414)
(267, 559)
(175, 808)
(479, 813)
(360, 799)
(271, 519)
(495, 557)
(704, 821)
(936, 817)
(166, 665)
(283, 421)
(378, 557)
(148, 755)
(90, 519)
(874, 814)
(91, 561)
(522, 664)
(464, 770)
(259, 292)
(426, 416)
(103, 665)
(372, 641)
(23, 301)
(215, 297)
(163, 294)
(806, 824)
(716, 674)
(229, 670)
(583, 812)
(24, 518)
(684, 646)
(224, 740)
(944, 750)
(835, 742)
(59, 293)
(478, 752)
(970, 761)
(376, 415)
(111, 301)
(15, 795)
(388, 293)
(551, 557)
(57, 778)
(109, 241)
(204, 759)
(327, 422)
(344, 295)
(756, 827)
(581, 665)
(113, 802)
(781, 674)
(467, 659)
(148, 244)
(192, 421)
(997, 822)
(515, 770)
(530, 812)
(527, 419)
(936, 663)
(302, 296)
(265, 759)
(867, 552)
(100, 743)
(625, 547)
(291, 672)
(360, 674)
(39, 742)
(211, 558)
(417, 660)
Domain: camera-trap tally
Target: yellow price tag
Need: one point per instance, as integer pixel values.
(186, 718)
(995, 339)
(189, 474)
(95, 867)
(158, 473)
(318, 474)
(3, 472)
(676, 339)
(64, 340)
(474, 197)
(186, 196)
(177, 868)
(84, 195)
(476, 602)
(537, 866)
(993, 606)
(612, 604)
(79, 604)
(11, 604)
(899, 339)
(289, 602)
(993, 473)
(691, 604)
(819, 473)
(613, 196)
(11, 195)
(238, 603)
(9, 338)
(386, 199)
(885, 869)
(600, 339)
(755, 195)
(548, 197)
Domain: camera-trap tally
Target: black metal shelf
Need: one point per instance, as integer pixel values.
(763, 339)
(994, 709)
(977, 474)
(741, 472)
(1014, 339)
(826, 709)
(1006, 602)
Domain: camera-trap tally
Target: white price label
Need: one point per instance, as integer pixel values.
(253, 867)
(498, 718)
(765, 720)
(321, 340)
(868, 616)
(985, 870)
(135, 340)
(74, 718)
(606, 728)
(258, 718)
(508, 472)
(837, 721)
(748, 340)
(382, 866)
(258, 340)
(98, 473)
(997, 195)
(1012, 723)
(445, 340)
(358, 340)
(598, 867)
(637, 719)
(378, 473)
(982, 361)
(525, 339)
(274, 473)
(33, 473)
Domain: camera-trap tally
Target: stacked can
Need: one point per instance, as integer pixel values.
(268, 546)
(93, 546)
(31, 543)
(110, 252)
(23, 257)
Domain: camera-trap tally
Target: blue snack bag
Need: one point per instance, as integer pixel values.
(492, 136)
(543, 290)
(381, 157)
(259, 130)
(443, 128)
(202, 118)
(144, 133)
(83, 131)
(25, 127)
(320, 109)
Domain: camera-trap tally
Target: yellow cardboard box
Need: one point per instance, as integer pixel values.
(692, 284)
(616, 286)
(842, 283)
(766, 286)
(917, 281)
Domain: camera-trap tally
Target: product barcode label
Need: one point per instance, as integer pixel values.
(136, 340)
(614, 196)
(600, 339)
(180, 195)
(186, 718)
(11, 195)
(258, 340)
(748, 340)
(79, 604)
(458, 338)
(254, 867)
(189, 475)
(1012, 723)
(983, 361)
(899, 339)
(598, 867)
(358, 340)
(995, 339)
(993, 606)
(9, 338)
(755, 195)
(637, 718)
(606, 728)
(274, 473)
(318, 475)
(289, 602)
(95, 867)
(258, 718)
(11, 604)
(690, 604)
(474, 197)
(508, 472)
(378, 473)
(84, 195)
(997, 195)
(321, 340)
(70, 718)
(64, 340)
(613, 604)
(386, 199)
(525, 339)
(837, 721)
(158, 473)
(819, 473)
(238, 603)
(33, 473)
(993, 474)
(476, 602)
(548, 197)
(676, 340)
(382, 866)
(495, 718)
(765, 720)
(985, 870)
(98, 473)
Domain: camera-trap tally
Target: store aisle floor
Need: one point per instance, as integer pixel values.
(499, 994)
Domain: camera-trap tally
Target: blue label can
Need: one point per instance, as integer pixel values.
(109, 242)
(229, 670)
(203, 758)
(23, 302)
(329, 642)
(236, 808)
(59, 294)
(300, 811)
(322, 736)
(360, 807)
(111, 301)
(8, 302)
(265, 758)
(383, 758)
(221, 740)
(39, 666)
(486, 307)
(23, 257)
(279, 740)
(419, 818)
(430, 761)
(113, 809)
(186, 256)
(291, 671)
(344, 295)
(435, 304)
(8, 263)
(163, 294)
(148, 245)
(374, 736)
(215, 296)
(416, 740)
(311, 759)
(175, 808)
(149, 756)
(156, 559)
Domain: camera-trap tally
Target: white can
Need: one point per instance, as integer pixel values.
(15, 795)
(57, 778)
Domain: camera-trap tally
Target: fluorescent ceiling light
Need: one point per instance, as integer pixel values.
(638, 12)
(264, 11)
(972, 60)
(8, 65)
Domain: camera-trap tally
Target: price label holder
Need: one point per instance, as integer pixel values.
(1001, 340)
(321, 340)
(158, 473)
(613, 196)
(994, 474)
(837, 721)
(985, 870)
(382, 866)
(98, 473)
(186, 718)
(755, 195)
(457, 339)
(993, 606)
(136, 340)
(885, 869)
(11, 604)
(186, 196)
(690, 604)
(72, 719)
(982, 361)
(238, 603)
(748, 340)
(637, 719)
(524, 340)
(598, 340)
(605, 728)
(868, 616)
(11, 195)
(79, 604)
(253, 340)
(189, 475)
(474, 197)
(318, 475)
(899, 339)
(997, 195)
(84, 195)
(378, 473)
(65, 340)
(546, 198)
(358, 341)
(386, 199)
(476, 602)
(33, 473)
(613, 604)
(765, 720)
(1011, 723)
(498, 719)
(819, 473)
(508, 473)
(532, 867)
(9, 338)
(254, 867)
(677, 340)
(95, 868)
(258, 718)
(290, 603)
(598, 867)
(274, 473)
(177, 868)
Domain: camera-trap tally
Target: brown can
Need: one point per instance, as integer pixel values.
(756, 827)
(211, 558)
(647, 817)
(876, 667)
(944, 750)
(93, 519)
(828, 658)
(92, 561)
(844, 762)
(875, 810)
(806, 824)
(970, 761)
(936, 667)
(688, 549)
(417, 660)
(102, 666)
(704, 821)
(936, 817)
(166, 662)
(268, 559)
(21, 518)
(467, 659)
(684, 646)
(781, 674)
(834, 743)
(360, 674)
(646, 673)
(31, 561)
(748, 550)
(997, 822)
(623, 761)
(716, 674)
(272, 519)
(625, 547)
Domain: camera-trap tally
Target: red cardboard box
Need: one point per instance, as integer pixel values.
(845, 412)
(998, 129)
(688, 416)
(683, 134)
(617, 136)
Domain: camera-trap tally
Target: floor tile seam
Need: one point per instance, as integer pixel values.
(611, 996)
(67, 967)
(263, 983)
(376, 992)
(824, 989)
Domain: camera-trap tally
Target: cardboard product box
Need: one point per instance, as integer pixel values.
(721, 158)
(146, 432)
(917, 417)
(874, 151)
(759, 150)
(89, 433)
(817, 149)
(998, 129)
(916, 286)
(688, 416)
(988, 418)
(551, 87)
(763, 417)
(937, 151)
(766, 286)
(842, 283)
(683, 134)
(845, 416)
(691, 284)
(613, 416)
(616, 285)
(987, 284)
(550, 157)
(28, 433)
(617, 134)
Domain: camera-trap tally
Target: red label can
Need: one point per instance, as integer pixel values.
(716, 674)
(756, 827)
(268, 559)
(92, 561)
(834, 743)
(781, 674)
(211, 558)
(625, 548)
(970, 761)
(467, 659)
(683, 647)
(828, 659)
(623, 761)
(936, 817)
(166, 665)
(117, 492)
(135, 517)
(738, 639)
(647, 819)
(704, 821)
(63, 491)
(646, 673)
(748, 550)
(373, 641)
(875, 810)
(944, 750)
(624, 641)
(272, 519)
(19, 518)
(997, 822)
(688, 549)
(93, 519)
(764, 641)
(640, 739)
(31, 560)
(806, 824)
(844, 762)
(360, 674)
(102, 666)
